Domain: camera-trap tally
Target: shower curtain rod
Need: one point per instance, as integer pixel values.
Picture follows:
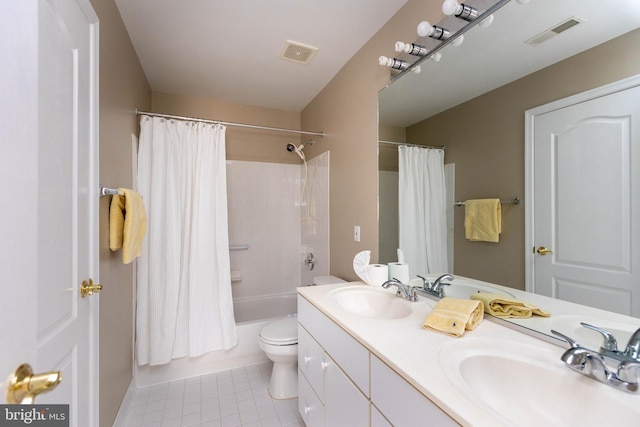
(441, 147)
(220, 122)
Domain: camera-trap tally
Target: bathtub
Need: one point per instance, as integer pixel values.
(264, 307)
(251, 315)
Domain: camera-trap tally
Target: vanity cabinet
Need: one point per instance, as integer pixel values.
(340, 383)
(333, 368)
(400, 402)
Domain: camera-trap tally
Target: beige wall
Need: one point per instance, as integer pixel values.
(489, 150)
(241, 143)
(123, 87)
(346, 110)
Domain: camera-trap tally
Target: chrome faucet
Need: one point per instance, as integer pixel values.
(610, 345)
(593, 363)
(436, 288)
(405, 291)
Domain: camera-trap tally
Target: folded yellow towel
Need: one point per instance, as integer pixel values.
(483, 220)
(453, 316)
(127, 224)
(501, 306)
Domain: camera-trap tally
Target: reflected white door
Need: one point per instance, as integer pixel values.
(48, 219)
(586, 197)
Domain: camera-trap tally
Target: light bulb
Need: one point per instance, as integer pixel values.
(450, 7)
(436, 57)
(458, 41)
(425, 29)
(411, 49)
(396, 64)
(486, 21)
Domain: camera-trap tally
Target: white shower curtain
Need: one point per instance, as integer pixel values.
(422, 210)
(184, 302)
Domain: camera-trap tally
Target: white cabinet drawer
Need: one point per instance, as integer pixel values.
(310, 361)
(352, 357)
(400, 402)
(309, 406)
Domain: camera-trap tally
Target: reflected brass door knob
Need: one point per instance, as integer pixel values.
(88, 288)
(544, 251)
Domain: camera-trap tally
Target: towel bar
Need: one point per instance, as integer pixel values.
(238, 247)
(106, 191)
(514, 201)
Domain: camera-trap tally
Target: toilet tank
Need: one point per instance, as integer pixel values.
(326, 280)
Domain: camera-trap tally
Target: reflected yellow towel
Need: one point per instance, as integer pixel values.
(500, 306)
(127, 224)
(483, 220)
(453, 316)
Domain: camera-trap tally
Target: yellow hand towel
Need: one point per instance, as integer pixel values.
(127, 224)
(453, 316)
(500, 306)
(483, 220)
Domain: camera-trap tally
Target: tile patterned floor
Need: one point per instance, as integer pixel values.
(238, 397)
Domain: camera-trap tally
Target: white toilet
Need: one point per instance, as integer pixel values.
(279, 341)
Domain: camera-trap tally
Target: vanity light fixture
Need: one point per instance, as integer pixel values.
(425, 29)
(462, 11)
(411, 49)
(394, 63)
(397, 64)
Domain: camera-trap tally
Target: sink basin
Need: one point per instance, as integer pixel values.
(373, 303)
(464, 291)
(530, 386)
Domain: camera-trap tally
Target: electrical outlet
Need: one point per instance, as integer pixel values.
(356, 233)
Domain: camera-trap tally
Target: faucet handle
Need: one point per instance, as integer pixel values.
(609, 343)
(572, 343)
(425, 283)
(633, 347)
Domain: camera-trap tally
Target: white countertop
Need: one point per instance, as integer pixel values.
(419, 355)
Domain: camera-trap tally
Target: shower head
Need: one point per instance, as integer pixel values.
(298, 150)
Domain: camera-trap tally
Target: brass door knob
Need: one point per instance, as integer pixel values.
(544, 251)
(24, 385)
(88, 288)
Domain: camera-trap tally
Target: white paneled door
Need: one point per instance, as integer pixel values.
(586, 200)
(48, 215)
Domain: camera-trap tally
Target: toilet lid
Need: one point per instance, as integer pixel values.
(281, 332)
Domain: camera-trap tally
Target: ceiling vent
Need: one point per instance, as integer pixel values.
(557, 29)
(298, 52)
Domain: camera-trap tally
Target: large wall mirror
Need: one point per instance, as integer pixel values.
(473, 102)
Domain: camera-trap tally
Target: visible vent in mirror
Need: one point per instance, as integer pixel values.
(552, 32)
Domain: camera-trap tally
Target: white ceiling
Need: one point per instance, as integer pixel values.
(230, 50)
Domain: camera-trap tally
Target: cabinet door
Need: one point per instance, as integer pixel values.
(309, 406)
(377, 419)
(352, 356)
(400, 402)
(310, 361)
(345, 405)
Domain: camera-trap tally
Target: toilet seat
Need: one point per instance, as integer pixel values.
(281, 332)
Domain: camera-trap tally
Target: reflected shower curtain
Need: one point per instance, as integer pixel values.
(184, 303)
(422, 211)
